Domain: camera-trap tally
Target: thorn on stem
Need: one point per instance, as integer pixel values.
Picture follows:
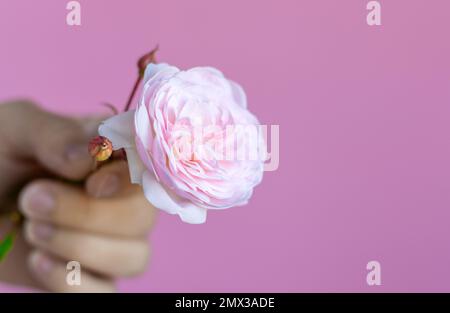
(111, 107)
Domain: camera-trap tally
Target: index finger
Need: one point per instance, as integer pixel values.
(126, 214)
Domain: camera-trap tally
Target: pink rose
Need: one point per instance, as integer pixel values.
(183, 141)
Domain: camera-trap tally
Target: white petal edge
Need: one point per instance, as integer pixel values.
(157, 195)
(193, 215)
(119, 129)
(239, 94)
(142, 121)
(135, 166)
(152, 69)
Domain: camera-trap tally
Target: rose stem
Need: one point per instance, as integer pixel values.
(142, 64)
(135, 87)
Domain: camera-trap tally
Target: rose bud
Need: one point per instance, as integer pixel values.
(100, 148)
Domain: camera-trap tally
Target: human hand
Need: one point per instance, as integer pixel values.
(103, 226)
(35, 143)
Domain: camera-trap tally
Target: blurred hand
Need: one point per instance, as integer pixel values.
(35, 143)
(103, 226)
(101, 223)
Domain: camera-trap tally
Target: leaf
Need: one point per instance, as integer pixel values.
(5, 245)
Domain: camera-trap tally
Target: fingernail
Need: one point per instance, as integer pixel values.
(42, 231)
(108, 186)
(38, 201)
(76, 152)
(41, 264)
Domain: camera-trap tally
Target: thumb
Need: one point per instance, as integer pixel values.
(58, 143)
(110, 180)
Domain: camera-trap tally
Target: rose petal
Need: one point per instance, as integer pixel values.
(145, 157)
(119, 129)
(143, 127)
(152, 69)
(193, 215)
(160, 198)
(239, 94)
(135, 165)
(157, 195)
(205, 69)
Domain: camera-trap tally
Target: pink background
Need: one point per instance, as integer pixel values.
(364, 115)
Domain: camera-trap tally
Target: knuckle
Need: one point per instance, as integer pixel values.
(140, 261)
(131, 261)
(144, 215)
(19, 106)
(79, 250)
(145, 220)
